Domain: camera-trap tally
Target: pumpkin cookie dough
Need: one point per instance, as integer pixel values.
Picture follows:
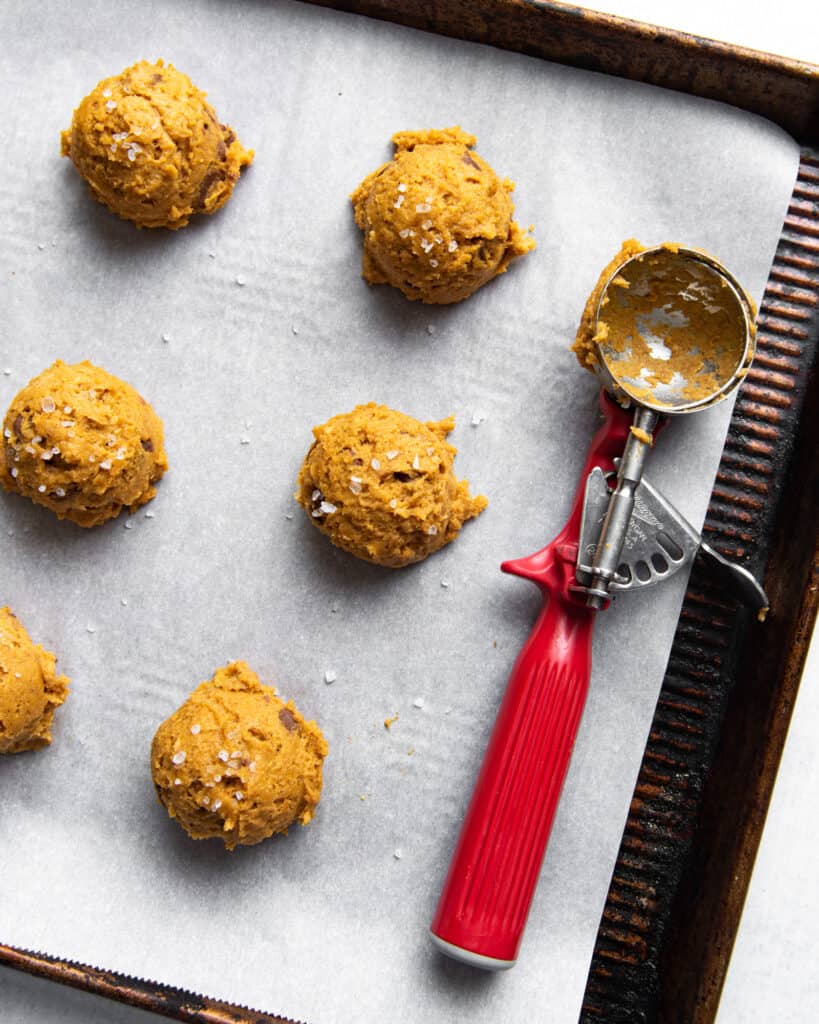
(30, 689)
(236, 763)
(381, 485)
(585, 342)
(151, 148)
(437, 220)
(82, 443)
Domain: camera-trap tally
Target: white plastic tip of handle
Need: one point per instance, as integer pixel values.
(466, 956)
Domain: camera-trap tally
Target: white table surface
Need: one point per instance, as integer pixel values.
(772, 976)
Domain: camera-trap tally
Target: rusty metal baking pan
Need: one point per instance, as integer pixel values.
(684, 863)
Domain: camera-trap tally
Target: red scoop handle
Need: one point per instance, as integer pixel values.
(492, 877)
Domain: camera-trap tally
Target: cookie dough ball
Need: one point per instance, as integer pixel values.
(151, 148)
(381, 485)
(437, 220)
(585, 342)
(30, 689)
(83, 443)
(236, 763)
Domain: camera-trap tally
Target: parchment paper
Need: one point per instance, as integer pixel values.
(329, 924)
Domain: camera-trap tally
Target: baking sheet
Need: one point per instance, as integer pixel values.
(329, 924)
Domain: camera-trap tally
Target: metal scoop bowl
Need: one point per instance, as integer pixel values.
(674, 331)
